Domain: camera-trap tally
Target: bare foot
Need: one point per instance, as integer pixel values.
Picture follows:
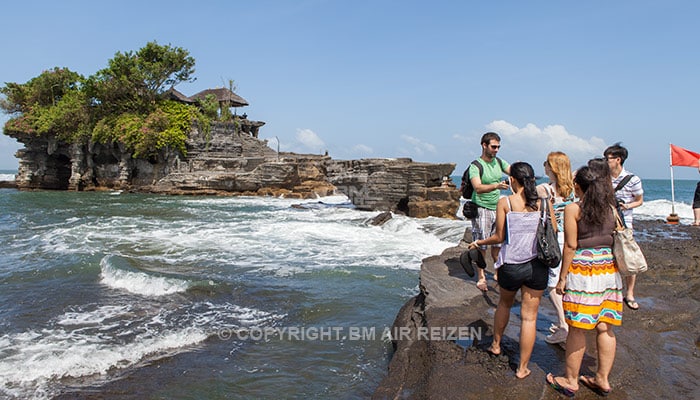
(522, 373)
(494, 350)
(481, 284)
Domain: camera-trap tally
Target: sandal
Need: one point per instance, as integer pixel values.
(482, 285)
(589, 382)
(552, 381)
(632, 304)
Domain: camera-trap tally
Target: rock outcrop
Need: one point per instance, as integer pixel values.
(230, 160)
(657, 346)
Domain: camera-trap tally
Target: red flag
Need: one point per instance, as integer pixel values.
(681, 157)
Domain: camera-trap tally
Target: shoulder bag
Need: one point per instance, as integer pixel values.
(548, 251)
(628, 256)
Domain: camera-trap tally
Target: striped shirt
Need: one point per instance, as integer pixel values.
(627, 193)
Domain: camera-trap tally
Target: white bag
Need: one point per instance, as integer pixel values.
(628, 256)
(459, 214)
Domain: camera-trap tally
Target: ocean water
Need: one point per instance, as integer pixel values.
(142, 296)
(131, 296)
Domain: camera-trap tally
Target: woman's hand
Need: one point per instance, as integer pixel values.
(472, 245)
(561, 285)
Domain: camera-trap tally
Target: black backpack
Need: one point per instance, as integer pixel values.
(467, 189)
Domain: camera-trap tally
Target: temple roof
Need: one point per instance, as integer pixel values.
(222, 94)
(174, 94)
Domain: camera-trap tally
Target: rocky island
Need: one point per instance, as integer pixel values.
(227, 161)
(127, 128)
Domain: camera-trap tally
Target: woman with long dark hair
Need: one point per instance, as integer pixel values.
(589, 281)
(517, 265)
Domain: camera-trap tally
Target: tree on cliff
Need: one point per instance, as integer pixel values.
(51, 103)
(121, 103)
(134, 82)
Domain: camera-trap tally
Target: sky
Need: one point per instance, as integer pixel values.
(377, 78)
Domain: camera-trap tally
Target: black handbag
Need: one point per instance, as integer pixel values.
(548, 251)
(470, 210)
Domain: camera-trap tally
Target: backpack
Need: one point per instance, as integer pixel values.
(466, 188)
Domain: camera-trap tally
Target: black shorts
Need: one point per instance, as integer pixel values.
(532, 274)
(696, 200)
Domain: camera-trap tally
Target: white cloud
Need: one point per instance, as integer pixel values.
(532, 144)
(418, 147)
(310, 140)
(8, 148)
(362, 149)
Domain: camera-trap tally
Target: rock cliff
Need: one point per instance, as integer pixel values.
(231, 160)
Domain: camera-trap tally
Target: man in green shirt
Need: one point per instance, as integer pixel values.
(487, 191)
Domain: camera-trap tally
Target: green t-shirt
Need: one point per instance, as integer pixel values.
(492, 174)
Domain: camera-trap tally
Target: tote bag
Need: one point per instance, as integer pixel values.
(548, 250)
(628, 256)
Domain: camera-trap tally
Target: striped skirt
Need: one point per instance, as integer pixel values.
(593, 289)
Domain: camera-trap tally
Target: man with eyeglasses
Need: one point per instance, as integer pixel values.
(487, 191)
(629, 195)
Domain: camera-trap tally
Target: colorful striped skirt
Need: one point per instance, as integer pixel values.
(593, 289)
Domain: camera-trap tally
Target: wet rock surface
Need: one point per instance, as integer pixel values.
(658, 346)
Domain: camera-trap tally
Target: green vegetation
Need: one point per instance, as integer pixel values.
(126, 102)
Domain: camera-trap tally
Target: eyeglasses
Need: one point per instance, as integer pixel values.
(495, 146)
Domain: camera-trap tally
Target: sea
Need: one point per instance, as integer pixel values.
(131, 296)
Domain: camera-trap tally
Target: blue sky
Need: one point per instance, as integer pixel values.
(405, 78)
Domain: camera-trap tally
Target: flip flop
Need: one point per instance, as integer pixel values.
(552, 381)
(485, 285)
(589, 382)
(465, 262)
(632, 304)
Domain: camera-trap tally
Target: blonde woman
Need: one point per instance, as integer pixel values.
(560, 190)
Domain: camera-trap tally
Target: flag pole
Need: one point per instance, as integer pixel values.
(673, 218)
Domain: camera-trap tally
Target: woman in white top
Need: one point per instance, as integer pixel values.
(517, 217)
(560, 190)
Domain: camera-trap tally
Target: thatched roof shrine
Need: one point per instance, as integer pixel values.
(222, 95)
(174, 94)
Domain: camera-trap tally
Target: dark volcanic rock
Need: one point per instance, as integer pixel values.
(381, 219)
(657, 346)
(8, 185)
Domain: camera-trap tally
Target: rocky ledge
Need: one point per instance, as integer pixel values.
(228, 160)
(657, 346)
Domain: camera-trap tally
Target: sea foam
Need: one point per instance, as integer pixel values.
(138, 282)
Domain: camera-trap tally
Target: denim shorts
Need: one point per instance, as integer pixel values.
(532, 274)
